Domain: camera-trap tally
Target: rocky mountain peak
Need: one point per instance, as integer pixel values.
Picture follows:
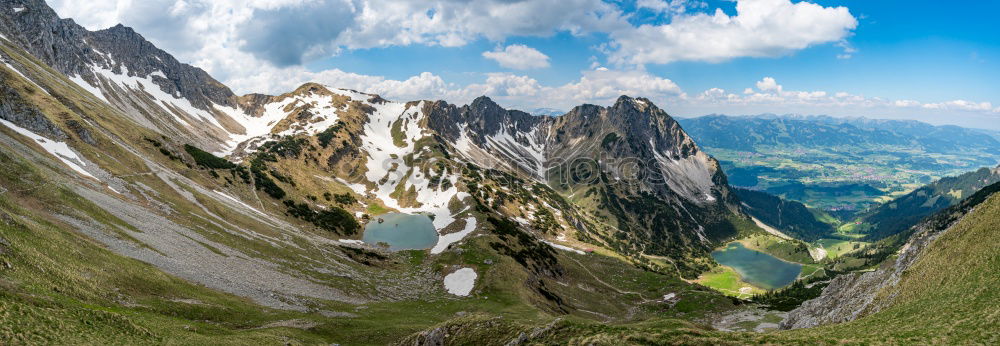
(75, 51)
(635, 109)
(485, 103)
(486, 115)
(636, 121)
(122, 29)
(624, 101)
(639, 104)
(310, 87)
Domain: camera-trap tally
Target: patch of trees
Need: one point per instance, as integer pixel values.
(264, 182)
(524, 248)
(334, 219)
(327, 135)
(206, 159)
(364, 256)
(789, 298)
(340, 198)
(608, 140)
(162, 149)
(545, 221)
(287, 146)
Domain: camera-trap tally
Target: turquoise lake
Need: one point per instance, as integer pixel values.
(757, 268)
(401, 231)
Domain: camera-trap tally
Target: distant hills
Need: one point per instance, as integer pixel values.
(552, 112)
(747, 132)
(899, 214)
(839, 165)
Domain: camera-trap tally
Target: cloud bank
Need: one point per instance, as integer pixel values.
(262, 45)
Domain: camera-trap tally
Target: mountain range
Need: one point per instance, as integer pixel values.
(843, 166)
(142, 201)
(747, 132)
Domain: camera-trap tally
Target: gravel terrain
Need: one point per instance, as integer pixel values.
(180, 251)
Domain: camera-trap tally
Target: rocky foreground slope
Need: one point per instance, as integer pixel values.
(854, 295)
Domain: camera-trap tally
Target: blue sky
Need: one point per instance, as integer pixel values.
(931, 61)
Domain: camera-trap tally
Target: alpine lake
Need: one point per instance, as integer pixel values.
(757, 268)
(401, 231)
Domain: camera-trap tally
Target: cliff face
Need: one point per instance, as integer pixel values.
(75, 51)
(119, 66)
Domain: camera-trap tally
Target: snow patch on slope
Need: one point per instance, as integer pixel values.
(58, 149)
(447, 239)
(324, 115)
(160, 98)
(460, 282)
(90, 88)
(563, 247)
(530, 157)
(231, 198)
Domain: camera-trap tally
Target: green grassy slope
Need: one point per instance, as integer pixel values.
(948, 296)
(59, 286)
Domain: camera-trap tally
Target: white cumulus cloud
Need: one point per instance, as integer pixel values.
(768, 84)
(518, 57)
(760, 28)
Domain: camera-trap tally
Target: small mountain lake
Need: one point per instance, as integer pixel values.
(401, 231)
(757, 268)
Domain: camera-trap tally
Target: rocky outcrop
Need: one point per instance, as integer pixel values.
(853, 295)
(15, 109)
(633, 129)
(507, 135)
